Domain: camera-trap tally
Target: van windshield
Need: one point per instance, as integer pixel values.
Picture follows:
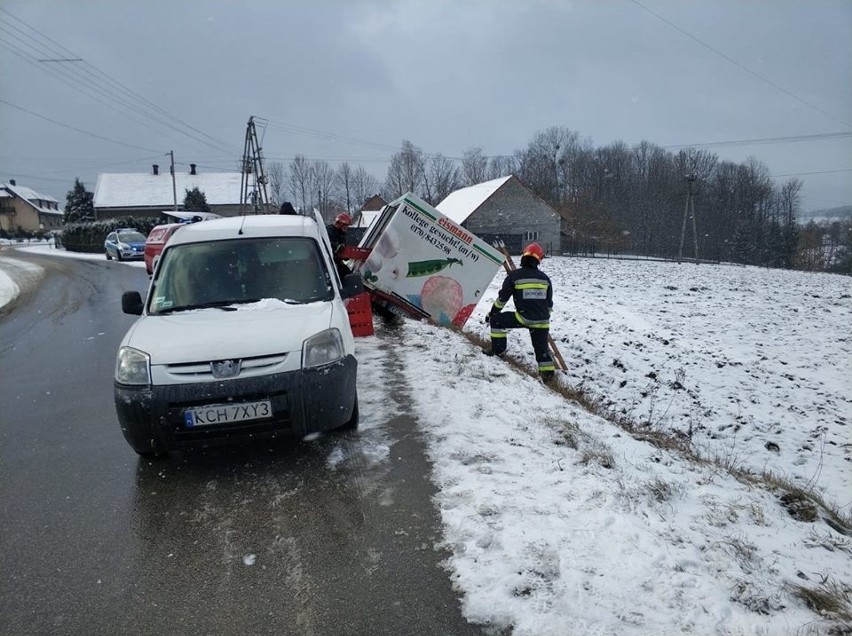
(235, 271)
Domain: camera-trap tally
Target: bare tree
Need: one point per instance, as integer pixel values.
(364, 185)
(323, 182)
(789, 200)
(406, 171)
(300, 181)
(500, 166)
(546, 163)
(441, 178)
(277, 184)
(474, 167)
(343, 182)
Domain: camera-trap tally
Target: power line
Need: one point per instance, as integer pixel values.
(93, 86)
(802, 174)
(38, 177)
(740, 65)
(75, 80)
(311, 132)
(79, 130)
(766, 140)
(107, 86)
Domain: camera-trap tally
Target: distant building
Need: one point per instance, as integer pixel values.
(119, 195)
(507, 210)
(24, 209)
(369, 211)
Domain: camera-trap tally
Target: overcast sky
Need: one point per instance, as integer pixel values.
(350, 80)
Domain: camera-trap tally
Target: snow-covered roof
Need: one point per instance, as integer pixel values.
(31, 196)
(462, 203)
(186, 216)
(115, 190)
(365, 218)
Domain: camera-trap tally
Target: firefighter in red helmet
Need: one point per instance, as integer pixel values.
(337, 237)
(531, 291)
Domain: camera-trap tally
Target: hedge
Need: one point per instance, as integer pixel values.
(89, 236)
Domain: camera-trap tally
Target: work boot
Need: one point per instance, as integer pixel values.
(548, 377)
(491, 352)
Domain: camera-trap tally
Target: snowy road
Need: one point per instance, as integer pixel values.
(331, 536)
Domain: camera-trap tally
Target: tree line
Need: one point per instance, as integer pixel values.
(615, 198)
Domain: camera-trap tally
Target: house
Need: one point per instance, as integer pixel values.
(143, 195)
(507, 210)
(369, 211)
(362, 219)
(25, 210)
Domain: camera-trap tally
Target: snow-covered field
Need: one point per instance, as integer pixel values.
(560, 522)
(753, 366)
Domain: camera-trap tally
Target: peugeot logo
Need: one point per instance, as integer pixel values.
(225, 368)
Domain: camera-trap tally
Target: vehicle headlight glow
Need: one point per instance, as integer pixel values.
(132, 366)
(323, 348)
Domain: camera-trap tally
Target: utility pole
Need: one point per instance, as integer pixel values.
(253, 194)
(171, 153)
(689, 210)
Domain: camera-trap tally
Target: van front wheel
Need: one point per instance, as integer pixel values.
(352, 423)
(141, 441)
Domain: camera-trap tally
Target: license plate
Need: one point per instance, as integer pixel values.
(227, 413)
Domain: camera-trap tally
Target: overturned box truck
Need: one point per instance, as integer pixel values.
(415, 260)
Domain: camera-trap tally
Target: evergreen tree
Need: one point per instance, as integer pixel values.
(195, 201)
(79, 206)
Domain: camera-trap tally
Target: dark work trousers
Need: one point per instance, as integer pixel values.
(500, 325)
(343, 269)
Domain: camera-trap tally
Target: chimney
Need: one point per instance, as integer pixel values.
(156, 169)
(192, 168)
(12, 182)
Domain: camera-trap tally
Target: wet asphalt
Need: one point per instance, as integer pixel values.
(267, 538)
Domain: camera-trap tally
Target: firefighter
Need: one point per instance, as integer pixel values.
(532, 293)
(337, 237)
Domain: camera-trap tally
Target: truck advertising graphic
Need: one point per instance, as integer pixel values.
(425, 264)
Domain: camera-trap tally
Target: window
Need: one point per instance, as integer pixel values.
(531, 236)
(222, 273)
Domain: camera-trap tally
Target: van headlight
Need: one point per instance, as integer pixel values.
(323, 348)
(132, 366)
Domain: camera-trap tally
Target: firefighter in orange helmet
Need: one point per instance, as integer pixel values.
(532, 293)
(337, 237)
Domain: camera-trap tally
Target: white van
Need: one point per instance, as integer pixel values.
(243, 334)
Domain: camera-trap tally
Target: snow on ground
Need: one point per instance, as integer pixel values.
(560, 522)
(13, 274)
(753, 365)
(13, 269)
(47, 247)
(9, 290)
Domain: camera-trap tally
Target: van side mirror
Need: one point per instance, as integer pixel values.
(131, 303)
(353, 285)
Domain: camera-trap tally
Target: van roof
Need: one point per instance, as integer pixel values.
(246, 227)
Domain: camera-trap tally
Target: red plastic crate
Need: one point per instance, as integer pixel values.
(356, 253)
(360, 315)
